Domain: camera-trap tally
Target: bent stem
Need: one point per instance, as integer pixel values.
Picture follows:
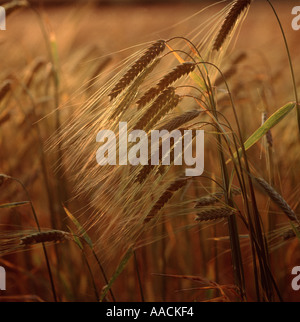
(290, 63)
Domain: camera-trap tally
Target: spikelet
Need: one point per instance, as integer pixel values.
(17, 241)
(150, 54)
(215, 213)
(164, 99)
(165, 197)
(148, 97)
(180, 120)
(144, 172)
(178, 72)
(161, 113)
(44, 237)
(209, 200)
(290, 234)
(277, 199)
(237, 8)
(213, 198)
(129, 93)
(170, 126)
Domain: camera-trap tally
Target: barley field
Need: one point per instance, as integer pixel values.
(76, 228)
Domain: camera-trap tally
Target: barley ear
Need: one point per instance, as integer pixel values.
(277, 199)
(214, 213)
(165, 197)
(138, 66)
(237, 8)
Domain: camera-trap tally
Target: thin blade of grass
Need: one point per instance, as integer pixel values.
(14, 204)
(118, 271)
(267, 126)
(76, 239)
(81, 230)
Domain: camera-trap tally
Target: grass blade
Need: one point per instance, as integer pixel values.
(118, 271)
(267, 126)
(14, 204)
(82, 232)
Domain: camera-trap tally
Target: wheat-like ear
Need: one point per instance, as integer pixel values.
(162, 112)
(165, 197)
(289, 234)
(236, 10)
(128, 94)
(213, 198)
(214, 213)
(53, 236)
(178, 72)
(164, 99)
(138, 66)
(180, 120)
(278, 199)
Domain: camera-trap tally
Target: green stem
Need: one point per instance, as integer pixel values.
(290, 63)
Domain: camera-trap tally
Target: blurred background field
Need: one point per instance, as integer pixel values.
(89, 38)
